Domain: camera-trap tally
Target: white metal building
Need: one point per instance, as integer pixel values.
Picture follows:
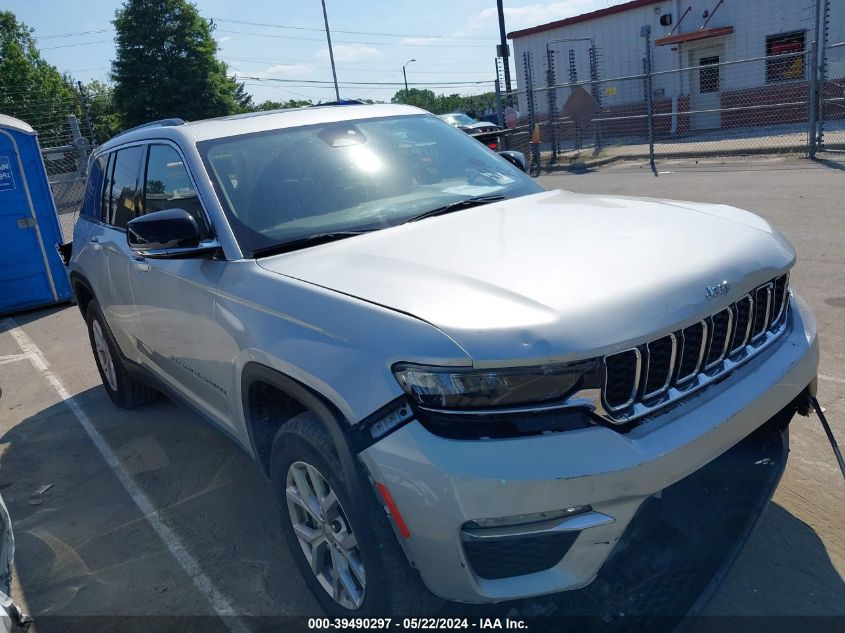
(736, 37)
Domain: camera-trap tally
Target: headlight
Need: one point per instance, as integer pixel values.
(450, 388)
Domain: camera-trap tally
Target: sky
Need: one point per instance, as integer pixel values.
(278, 48)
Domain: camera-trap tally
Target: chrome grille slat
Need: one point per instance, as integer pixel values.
(683, 378)
(668, 371)
(780, 297)
(746, 332)
(762, 310)
(723, 350)
(611, 404)
(743, 323)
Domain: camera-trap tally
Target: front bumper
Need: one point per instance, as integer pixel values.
(440, 484)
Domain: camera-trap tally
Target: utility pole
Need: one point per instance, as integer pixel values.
(331, 53)
(405, 75)
(504, 53)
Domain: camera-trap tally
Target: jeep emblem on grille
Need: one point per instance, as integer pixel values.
(719, 289)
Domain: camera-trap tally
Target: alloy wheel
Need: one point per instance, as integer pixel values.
(104, 355)
(325, 535)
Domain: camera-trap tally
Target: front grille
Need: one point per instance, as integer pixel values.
(641, 379)
(516, 556)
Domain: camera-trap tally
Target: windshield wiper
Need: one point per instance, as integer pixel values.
(466, 203)
(302, 242)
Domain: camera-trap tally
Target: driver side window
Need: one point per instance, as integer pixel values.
(167, 184)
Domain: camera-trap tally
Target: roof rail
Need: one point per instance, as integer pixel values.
(341, 103)
(160, 123)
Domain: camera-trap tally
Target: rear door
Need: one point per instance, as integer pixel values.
(121, 203)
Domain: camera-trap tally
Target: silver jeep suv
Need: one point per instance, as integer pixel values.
(462, 386)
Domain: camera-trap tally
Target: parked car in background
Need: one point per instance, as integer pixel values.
(462, 386)
(483, 131)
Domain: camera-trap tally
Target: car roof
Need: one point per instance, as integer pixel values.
(234, 125)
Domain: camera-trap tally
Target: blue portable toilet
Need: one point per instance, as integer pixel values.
(31, 270)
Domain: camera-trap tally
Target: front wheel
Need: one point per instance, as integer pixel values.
(344, 547)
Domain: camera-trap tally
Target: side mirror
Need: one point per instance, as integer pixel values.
(168, 234)
(517, 159)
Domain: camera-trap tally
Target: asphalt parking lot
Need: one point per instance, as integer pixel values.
(188, 525)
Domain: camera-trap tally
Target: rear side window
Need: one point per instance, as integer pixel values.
(124, 196)
(167, 184)
(93, 189)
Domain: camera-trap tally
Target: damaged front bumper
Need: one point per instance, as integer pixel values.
(12, 619)
(494, 520)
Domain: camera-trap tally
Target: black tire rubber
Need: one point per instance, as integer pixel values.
(130, 393)
(393, 588)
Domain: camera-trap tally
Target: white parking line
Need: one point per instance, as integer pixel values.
(12, 358)
(203, 583)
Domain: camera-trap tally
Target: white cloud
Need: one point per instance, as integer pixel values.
(420, 41)
(225, 38)
(349, 52)
(533, 14)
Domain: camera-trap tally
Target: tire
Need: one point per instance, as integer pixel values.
(391, 587)
(124, 391)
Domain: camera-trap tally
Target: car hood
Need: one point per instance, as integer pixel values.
(552, 276)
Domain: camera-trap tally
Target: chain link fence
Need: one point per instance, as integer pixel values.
(788, 100)
(832, 102)
(66, 138)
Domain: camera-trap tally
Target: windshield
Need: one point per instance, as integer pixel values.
(288, 185)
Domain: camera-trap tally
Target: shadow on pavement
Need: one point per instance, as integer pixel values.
(83, 547)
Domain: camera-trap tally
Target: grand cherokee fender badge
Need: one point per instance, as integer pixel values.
(719, 289)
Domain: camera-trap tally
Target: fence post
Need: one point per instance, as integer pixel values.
(532, 117)
(812, 101)
(81, 145)
(500, 115)
(645, 32)
(595, 90)
(552, 97)
(86, 110)
(822, 61)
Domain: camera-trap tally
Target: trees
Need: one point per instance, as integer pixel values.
(104, 116)
(166, 65)
(475, 105)
(281, 105)
(30, 88)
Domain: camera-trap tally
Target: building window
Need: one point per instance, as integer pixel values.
(785, 67)
(708, 74)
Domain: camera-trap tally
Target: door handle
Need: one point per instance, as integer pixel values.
(140, 265)
(95, 243)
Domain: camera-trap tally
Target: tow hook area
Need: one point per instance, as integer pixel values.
(813, 405)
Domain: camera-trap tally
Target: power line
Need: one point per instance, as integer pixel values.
(362, 61)
(380, 71)
(367, 83)
(314, 39)
(49, 48)
(377, 33)
(77, 34)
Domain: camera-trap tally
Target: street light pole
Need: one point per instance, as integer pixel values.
(331, 53)
(405, 75)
